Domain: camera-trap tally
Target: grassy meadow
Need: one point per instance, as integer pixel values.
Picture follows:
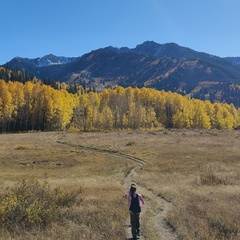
(196, 170)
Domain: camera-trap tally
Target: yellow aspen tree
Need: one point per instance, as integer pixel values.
(219, 121)
(129, 108)
(209, 109)
(169, 111)
(121, 105)
(67, 106)
(6, 105)
(180, 117)
(160, 106)
(36, 117)
(46, 107)
(142, 121)
(223, 118)
(57, 120)
(94, 102)
(138, 116)
(200, 118)
(82, 112)
(114, 103)
(106, 119)
(104, 98)
(27, 108)
(135, 114)
(142, 113)
(150, 118)
(16, 90)
(233, 111)
(148, 115)
(229, 121)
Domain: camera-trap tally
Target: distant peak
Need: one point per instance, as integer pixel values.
(51, 59)
(19, 59)
(149, 44)
(152, 44)
(49, 56)
(109, 48)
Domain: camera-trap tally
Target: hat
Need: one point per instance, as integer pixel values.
(133, 185)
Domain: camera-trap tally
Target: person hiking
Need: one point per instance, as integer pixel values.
(135, 201)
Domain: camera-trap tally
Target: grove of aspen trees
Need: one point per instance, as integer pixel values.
(35, 106)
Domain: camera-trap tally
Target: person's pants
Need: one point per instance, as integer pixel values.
(135, 224)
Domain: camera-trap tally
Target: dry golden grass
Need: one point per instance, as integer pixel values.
(196, 170)
(38, 156)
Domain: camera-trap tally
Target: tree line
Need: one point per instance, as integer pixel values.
(23, 77)
(36, 106)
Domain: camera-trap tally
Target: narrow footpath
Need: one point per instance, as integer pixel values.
(158, 205)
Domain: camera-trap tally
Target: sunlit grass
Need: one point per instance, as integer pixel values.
(196, 170)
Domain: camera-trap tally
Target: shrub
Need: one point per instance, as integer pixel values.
(33, 204)
(222, 227)
(218, 223)
(209, 177)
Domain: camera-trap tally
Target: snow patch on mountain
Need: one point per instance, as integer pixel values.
(51, 59)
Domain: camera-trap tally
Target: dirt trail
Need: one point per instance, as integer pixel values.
(161, 206)
(157, 204)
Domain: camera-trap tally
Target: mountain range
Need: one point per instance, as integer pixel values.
(168, 67)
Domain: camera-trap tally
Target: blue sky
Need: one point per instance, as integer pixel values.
(34, 28)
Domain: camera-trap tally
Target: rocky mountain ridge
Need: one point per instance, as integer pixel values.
(45, 61)
(162, 66)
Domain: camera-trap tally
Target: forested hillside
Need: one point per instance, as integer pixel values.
(23, 77)
(167, 67)
(32, 105)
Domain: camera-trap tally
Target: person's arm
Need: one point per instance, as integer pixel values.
(127, 193)
(142, 202)
(129, 199)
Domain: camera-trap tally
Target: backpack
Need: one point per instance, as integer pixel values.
(135, 205)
